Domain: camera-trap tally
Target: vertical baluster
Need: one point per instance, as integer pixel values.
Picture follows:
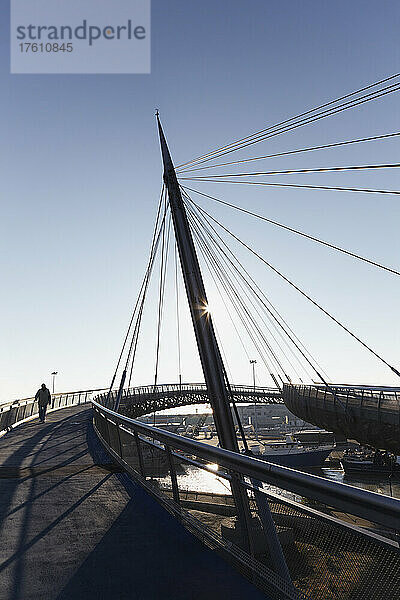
(172, 472)
(140, 454)
(107, 430)
(379, 407)
(119, 440)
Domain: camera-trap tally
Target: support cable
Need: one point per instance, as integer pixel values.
(178, 327)
(239, 306)
(134, 341)
(282, 276)
(328, 386)
(296, 231)
(140, 292)
(298, 151)
(288, 125)
(204, 248)
(262, 298)
(240, 338)
(163, 273)
(304, 171)
(294, 185)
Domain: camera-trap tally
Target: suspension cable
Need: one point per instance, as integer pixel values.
(135, 337)
(297, 151)
(290, 335)
(303, 171)
(239, 298)
(294, 185)
(233, 401)
(178, 327)
(328, 386)
(260, 295)
(163, 273)
(296, 231)
(232, 295)
(282, 276)
(140, 290)
(274, 129)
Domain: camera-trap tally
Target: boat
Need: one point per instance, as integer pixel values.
(314, 436)
(290, 453)
(368, 461)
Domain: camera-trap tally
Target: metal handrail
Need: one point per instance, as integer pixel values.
(362, 503)
(346, 386)
(22, 401)
(161, 388)
(354, 391)
(20, 411)
(161, 391)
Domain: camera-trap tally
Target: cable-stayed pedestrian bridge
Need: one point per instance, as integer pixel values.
(68, 508)
(74, 525)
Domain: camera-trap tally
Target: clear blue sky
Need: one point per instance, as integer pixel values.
(81, 174)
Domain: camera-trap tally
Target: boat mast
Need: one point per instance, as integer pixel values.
(210, 355)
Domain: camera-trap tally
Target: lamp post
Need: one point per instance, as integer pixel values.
(54, 373)
(253, 364)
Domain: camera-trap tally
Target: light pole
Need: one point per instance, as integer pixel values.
(253, 364)
(54, 373)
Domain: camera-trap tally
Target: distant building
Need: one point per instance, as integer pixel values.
(267, 415)
(258, 415)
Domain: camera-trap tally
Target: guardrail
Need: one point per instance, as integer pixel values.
(19, 411)
(329, 532)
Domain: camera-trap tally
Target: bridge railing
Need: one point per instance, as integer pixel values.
(137, 401)
(369, 414)
(18, 411)
(176, 387)
(194, 387)
(338, 541)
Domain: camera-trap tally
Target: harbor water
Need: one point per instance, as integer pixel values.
(198, 480)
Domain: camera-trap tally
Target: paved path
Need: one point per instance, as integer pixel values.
(72, 527)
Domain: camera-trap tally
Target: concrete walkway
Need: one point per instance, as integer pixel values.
(73, 527)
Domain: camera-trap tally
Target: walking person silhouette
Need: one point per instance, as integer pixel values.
(43, 397)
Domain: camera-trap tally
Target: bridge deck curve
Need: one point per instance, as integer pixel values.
(72, 526)
(138, 401)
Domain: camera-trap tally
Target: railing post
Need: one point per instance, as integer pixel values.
(119, 440)
(274, 546)
(140, 454)
(108, 430)
(379, 407)
(174, 480)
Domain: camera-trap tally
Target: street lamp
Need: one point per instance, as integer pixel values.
(54, 373)
(253, 364)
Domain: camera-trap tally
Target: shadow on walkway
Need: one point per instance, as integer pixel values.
(148, 555)
(71, 528)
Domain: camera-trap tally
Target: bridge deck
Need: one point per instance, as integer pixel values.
(72, 526)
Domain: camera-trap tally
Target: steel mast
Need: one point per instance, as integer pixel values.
(210, 355)
(213, 366)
